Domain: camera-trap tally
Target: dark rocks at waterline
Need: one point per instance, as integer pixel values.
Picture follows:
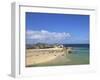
(69, 52)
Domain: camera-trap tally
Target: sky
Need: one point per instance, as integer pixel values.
(57, 28)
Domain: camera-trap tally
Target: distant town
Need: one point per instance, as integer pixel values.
(43, 46)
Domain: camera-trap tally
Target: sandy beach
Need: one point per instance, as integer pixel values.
(38, 56)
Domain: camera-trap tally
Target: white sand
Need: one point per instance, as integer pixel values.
(36, 56)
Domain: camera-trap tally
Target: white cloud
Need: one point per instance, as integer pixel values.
(46, 36)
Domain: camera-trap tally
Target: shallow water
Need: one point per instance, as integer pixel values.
(80, 55)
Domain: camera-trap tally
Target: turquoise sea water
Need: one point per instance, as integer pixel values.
(79, 55)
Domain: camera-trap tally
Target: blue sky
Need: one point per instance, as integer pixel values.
(57, 28)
